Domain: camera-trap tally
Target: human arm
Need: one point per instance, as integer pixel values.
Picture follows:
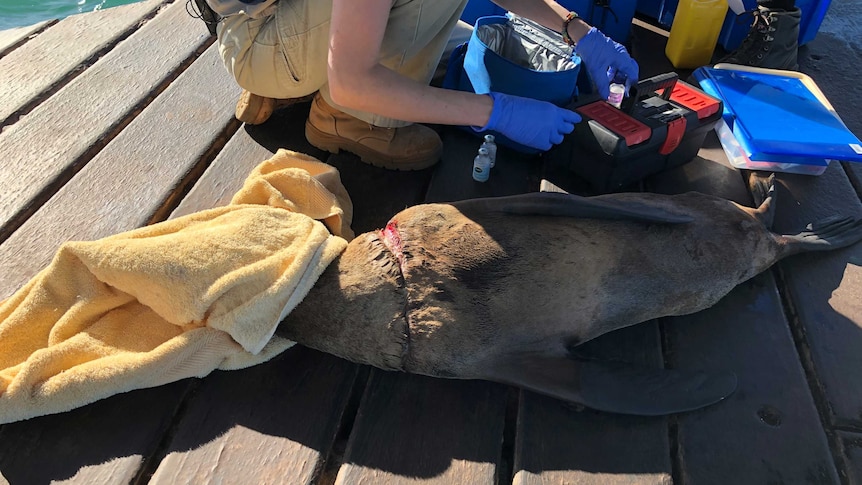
(548, 13)
(357, 80)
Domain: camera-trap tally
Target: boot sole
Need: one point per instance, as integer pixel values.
(334, 144)
(254, 110)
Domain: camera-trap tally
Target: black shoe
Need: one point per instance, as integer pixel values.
(202, 10)
(772, 42)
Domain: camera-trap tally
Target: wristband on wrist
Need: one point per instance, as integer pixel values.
(571, 16)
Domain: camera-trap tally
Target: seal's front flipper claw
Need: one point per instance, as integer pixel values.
(616, 387)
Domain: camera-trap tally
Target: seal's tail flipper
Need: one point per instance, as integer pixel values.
(830, 233)
(616, 387)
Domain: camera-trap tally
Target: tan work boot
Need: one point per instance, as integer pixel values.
(411, 147)
(254, 110)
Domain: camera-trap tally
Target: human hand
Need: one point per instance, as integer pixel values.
(605, 58)
(536, 124)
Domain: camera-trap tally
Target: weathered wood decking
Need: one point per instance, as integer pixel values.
(124, 117)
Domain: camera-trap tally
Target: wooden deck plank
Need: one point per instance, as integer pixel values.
(246, 149)
(560, 443)
(48, 145)
(826, 60)
(713, 443)
(45, 60)
(9, 38)
(133, 176)
(104, 443)
(378, 194)
(225, 176)
(120, 189)
(417, 429)
(514, 173)
(769, 430)
(412, 429)
(854, 173)
(852, 443)
(293, 449)
(246, 426)
(826, 289)
(273, 422)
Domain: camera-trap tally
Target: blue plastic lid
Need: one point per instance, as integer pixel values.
(778, 118)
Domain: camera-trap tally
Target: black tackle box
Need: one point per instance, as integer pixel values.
(660, 125)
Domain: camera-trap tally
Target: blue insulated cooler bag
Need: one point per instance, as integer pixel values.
(524, 59)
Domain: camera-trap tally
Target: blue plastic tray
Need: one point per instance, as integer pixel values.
(778, 116)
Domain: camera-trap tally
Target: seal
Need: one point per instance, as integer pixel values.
(504, 289)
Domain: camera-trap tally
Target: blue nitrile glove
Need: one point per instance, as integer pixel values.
(604, 58)
(536, 124)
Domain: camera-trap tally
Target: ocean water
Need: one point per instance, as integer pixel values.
(18, 13)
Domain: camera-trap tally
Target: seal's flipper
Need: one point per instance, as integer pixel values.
(831, 233)
(623, 388)
(762, 186)
(568, 205)
(615, 387)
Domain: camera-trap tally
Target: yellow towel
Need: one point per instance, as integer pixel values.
(172, 300)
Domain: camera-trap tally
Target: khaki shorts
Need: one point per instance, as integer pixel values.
(284, 55)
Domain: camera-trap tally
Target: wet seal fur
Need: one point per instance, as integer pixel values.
(502, 289)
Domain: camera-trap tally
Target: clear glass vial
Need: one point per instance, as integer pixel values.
(491, 145)
(481, 166)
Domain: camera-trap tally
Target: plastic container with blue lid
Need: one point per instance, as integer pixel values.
(777, 120)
